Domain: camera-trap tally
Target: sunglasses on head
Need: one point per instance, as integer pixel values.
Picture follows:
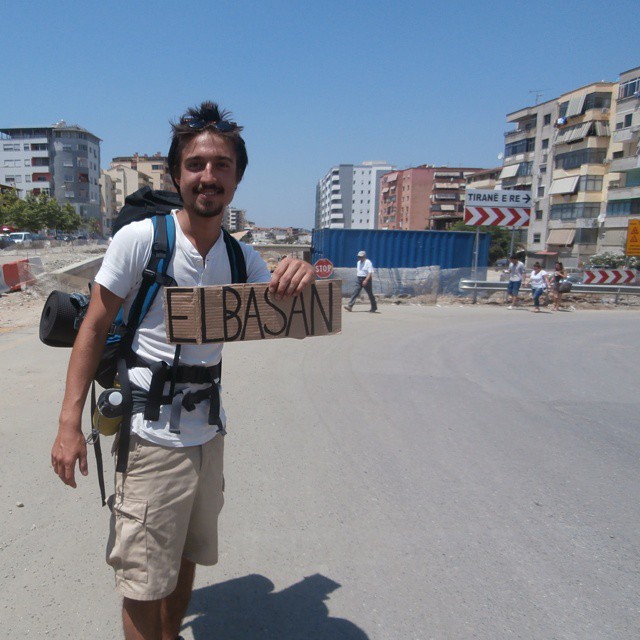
(223, 126)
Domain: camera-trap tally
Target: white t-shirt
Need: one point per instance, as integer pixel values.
(364, 268)
(536, 280)
(516, 271)
(121, 273)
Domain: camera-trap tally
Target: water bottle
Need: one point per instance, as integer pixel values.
(108, 414)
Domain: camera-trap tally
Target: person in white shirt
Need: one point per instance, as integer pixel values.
(164, 512)
(364, 273)
(516, 275)
(539, 282)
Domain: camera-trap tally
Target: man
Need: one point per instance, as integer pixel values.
(364, 273)
(166, 505)
(516, 275)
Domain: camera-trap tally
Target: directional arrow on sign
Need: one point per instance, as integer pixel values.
(496, 216)
(608, 276)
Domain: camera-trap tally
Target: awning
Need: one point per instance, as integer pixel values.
(447, 185)
(572, 134)
(545, 253)
(563, 237)
(385, 189)
(448, 207)
(576, 103)
(391, 177)
(509, 171)
(602, 128)
(564, 185)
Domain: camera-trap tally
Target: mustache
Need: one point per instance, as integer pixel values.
(213, 188)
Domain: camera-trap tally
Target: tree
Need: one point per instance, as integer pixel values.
(500, 239)
(10, 207)
(37, 212)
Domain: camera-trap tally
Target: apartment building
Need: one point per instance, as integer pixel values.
(348, 196)
(156, 167)
(623, 197)
(117, 183)
(424, 197)
(234, 219)
(560, 151)
(62, 161)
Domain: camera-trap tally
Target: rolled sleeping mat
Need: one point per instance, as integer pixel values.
(58, 322)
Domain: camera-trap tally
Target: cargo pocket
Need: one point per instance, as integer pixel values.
(129, 553)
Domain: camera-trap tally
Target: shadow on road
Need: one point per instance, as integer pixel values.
(248, 609)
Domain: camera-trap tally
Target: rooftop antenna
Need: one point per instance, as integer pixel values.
(538, 93)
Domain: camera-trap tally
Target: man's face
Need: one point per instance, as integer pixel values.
(207, 177)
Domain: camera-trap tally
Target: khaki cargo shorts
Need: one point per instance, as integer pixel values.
(165, 507)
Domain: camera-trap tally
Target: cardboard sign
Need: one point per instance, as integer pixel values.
(229, 313)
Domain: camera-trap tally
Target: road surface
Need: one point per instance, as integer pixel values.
(456, 472)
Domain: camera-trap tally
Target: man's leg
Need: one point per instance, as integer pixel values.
(372, 299)
(141, 619)
(356, 293)
(175, 606)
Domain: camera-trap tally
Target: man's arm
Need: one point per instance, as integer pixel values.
(291, 277)
(69, 446)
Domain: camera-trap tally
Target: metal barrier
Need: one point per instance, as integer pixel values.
(467, 286)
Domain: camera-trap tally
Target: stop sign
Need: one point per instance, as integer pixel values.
(324, 268)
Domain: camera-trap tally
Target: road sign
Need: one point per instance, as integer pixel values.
(506, 208)
(633, 238)
(608, 276)
(324, 268)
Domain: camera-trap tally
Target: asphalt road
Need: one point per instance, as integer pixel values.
(456, 472)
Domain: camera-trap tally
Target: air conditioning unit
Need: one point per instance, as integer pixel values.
(605, 110)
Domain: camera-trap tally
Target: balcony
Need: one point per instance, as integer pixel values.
(625, 164)
(624, 193)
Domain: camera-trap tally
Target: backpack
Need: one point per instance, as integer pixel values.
(63, 314)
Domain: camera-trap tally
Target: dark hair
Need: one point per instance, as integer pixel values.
(561, 265)
(513, 256)
(537, 264)
(210, 114)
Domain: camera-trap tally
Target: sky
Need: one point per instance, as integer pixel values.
(315, 84)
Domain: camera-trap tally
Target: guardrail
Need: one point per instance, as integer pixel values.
(474, 286)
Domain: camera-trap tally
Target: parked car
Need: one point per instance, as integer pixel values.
(21, 237)
(6, 241)
(502, 263)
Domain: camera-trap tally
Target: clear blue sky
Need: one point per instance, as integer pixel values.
(314, 84)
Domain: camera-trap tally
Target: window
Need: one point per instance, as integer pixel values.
(543, 168)
(522, 146)
(575, 159)
(27, 178)
(536, 238)
(541, 191)
(25, 146)
(597, 100)
(590, 183)
(27, 162)
(547, 119)
(538, 214)
(545, 143)
(623, 207)
(629, 88)
(18, 179)
(627, 120)
(586, 236)
(574, 210)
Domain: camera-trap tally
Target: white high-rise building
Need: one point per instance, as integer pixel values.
(62, 161)
(347, 196)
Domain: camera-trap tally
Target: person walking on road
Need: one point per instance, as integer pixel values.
(539, 282)
(364, 273)
(516, 275)
(164, 513)
(559, 275)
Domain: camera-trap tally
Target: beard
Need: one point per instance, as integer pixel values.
(210, 209)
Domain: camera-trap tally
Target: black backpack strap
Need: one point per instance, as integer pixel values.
(94, 439)
(236, 258)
